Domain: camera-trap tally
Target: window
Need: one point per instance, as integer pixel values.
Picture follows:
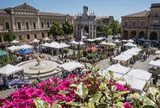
(27, 25)
(28, 36)
(143, 23)
(155, 22)
(34, 25)
(19, 25)
(42, 24)
(35, 36)
(42, 35)
(126, 23)
(7, 25)
(48, 24)
(48, 34)
(134, 23)
(20, 37)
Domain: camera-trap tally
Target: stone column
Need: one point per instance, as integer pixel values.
(81, 34)
(38, 22)
(92, 31)
(76, 31)
(89, 32)
(13, 24)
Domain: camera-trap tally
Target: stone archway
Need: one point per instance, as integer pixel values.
(125, 34)
(133, 34)
(141, 34)
(153, 36)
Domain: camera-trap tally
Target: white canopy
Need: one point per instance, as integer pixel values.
(55, 45)
(10, 69)
(45, 44)
(103, 43)
(118, 69)
(142, 39)
(81, 43)
(14, 48)
(130, 41)
(73, 42)
(71, 66)
(26, 46)
(139, 74)
(123, 57)
(84, 37)
(116, 75)
(130, 45)
(90, 40)
(14, 41)
(124, 40)
(157, 52)
(135, 83)
(155, 63)
(131, 52)
(35, 41)
(46, 39)
(117, 41)
(136, 49)
(99, 38)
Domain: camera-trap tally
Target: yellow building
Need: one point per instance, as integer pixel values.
(28, 23)
(142, 24)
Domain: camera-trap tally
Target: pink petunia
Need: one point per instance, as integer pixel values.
(127, 105)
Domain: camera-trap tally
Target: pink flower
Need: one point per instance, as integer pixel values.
(88, 85)
(48, 99)
(127, 105)
(67, 99)
(38, 93)
(30, 91)
(71, 76)
(84, 76)
(110, 81)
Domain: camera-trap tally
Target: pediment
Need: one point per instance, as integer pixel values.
(25, 7)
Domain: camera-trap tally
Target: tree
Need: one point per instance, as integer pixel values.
(67, 28)
(56, 30)
(9, 36)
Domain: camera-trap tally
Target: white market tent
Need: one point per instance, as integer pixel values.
(14, 48)
(110, 44)
(117, 41)
(118, 69)
(155, 63)
(130, 45)
(123, 40)
(136, 84)
(46, 39)
(116, 75)
(99, 38)
(26, 46)
(130, 41)
(84, 37)
(136, 49)
(81, 43)
(157, 52)
(90, 40)
(35, 41)
(15, 41)
(122, 57)
(103, 43)
(45, 44)
(55, 45)
(10, 69)
(71, 66)
(139, 74)
(73, 42)
(131, 52)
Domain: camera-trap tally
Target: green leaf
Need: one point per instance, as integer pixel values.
(82, 90)
(75, 103)
(148, 101)
(63, 92)
(111, 73)
(116, 95)
(121, 79)
(123, 92)
(120, 99)
(95, 98)
(41, 104)
(136, 96)
(91, 105)
(56, 106)
(73, 85)
(153, 90)
(119, 104)
(102, 86)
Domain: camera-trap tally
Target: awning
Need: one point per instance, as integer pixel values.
(26, 46)
(130, 45)
(46, 39)
(2, 53)
(139, 74)
(155, 63)
(25, 51)
(71, 66)
(10, 69)
(130, 41)
(35, 41)
(122, 57)
(118, 69)
(14, 41)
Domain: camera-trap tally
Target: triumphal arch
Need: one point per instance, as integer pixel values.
(85, 25)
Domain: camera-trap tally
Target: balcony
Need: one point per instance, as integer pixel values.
(155, 26)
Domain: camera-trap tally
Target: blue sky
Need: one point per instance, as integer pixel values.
(117, 8)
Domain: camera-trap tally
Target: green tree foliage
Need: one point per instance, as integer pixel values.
(113, 28)
(67, 28)
(9, 36)
(56, 30)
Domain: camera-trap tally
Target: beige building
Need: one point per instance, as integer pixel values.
(104, 19)
(27, 23)
(142, 24)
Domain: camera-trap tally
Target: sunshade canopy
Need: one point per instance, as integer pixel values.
(14, 41)
(2, 53)
(10, 69)
(25, 51)
(155, 63)
(71, 66)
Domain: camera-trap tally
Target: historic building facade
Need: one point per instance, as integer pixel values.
(27, 23)
(142, 24)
